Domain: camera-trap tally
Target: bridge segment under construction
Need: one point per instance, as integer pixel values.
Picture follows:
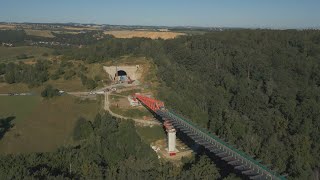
(240, 160)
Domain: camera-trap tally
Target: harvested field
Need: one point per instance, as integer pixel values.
(145, 34)
(6, 26)
(66, 32)
(41, 33)
(93, 28)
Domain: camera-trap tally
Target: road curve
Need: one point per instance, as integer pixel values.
(107, 108)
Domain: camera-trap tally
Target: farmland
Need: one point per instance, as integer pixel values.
(145, 34)
(41, 33)
(6, 26)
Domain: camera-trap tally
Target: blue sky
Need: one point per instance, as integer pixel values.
(225, 13)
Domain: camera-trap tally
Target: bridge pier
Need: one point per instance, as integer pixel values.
(171, 138)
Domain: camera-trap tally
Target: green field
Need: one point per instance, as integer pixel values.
(8, 54)
(129, 92)
(42, 125)
(132, 113)
(151, 134)
(18, 106)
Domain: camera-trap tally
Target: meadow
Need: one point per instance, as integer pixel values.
(42, 125)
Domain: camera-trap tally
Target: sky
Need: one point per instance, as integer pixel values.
(205, 13)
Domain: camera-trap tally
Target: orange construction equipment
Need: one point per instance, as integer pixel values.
(152, 104)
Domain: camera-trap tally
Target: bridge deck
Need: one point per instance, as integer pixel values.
(243, 162)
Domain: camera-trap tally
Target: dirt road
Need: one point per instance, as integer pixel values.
(107, 108)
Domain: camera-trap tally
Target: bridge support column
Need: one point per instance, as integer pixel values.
(171, 133)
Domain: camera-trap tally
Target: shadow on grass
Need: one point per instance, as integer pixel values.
(6, 125)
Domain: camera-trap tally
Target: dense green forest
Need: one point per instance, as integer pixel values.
(259, 90)
(256, 89)
(107, 149)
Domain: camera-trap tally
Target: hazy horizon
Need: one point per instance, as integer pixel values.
(232, 13)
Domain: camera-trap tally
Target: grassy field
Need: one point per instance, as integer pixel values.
(133, 113)
(151, 134)
(42, 125)
(40, 33)
(18, 106)
(13, 88)
(71, 85)
(8, 54)
(129, 92)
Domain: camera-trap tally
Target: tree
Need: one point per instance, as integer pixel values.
(91, 84)
(203, 169)
(50, 92)
(83, 129)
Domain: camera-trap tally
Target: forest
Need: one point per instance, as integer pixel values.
(256, 89)
(107, 148)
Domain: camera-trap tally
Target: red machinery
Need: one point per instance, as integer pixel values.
(152, 104)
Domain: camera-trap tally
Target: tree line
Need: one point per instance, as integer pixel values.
(19, 37)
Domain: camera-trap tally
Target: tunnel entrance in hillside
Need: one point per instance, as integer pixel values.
(121, 73)
(121, 76)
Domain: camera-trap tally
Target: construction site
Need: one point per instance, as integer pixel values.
(125, 104)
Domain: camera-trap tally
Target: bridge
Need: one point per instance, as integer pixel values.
(240, 160)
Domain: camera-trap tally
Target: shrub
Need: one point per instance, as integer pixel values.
(50, 92)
